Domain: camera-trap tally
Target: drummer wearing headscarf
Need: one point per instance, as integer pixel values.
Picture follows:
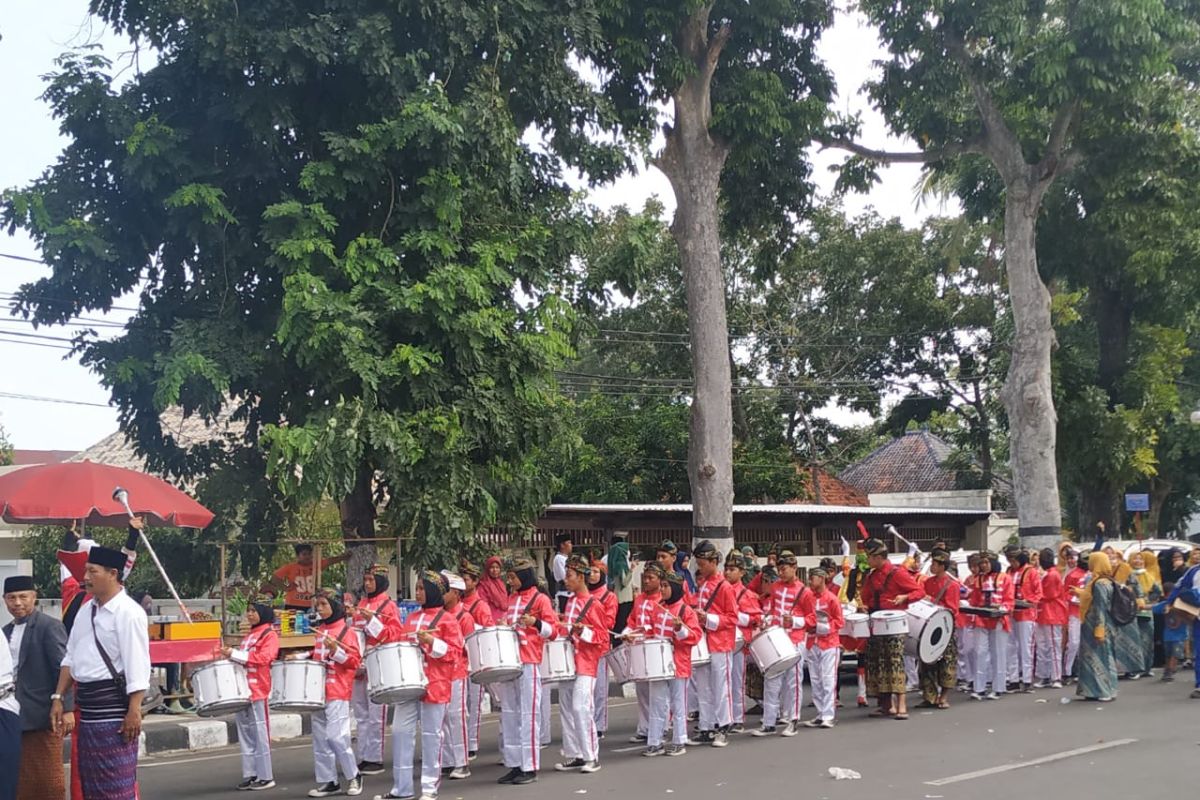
(598, 589)
(337, 647)
(377, 619)
(749, 615)
(584, 623)
(824, 648)
(531, 614)
(939, 678)
(481, 615)
(887, 588)
(439, 636)
(455, 728)
(258, 650)
(994, 590)
(640, 624)
(677, 623)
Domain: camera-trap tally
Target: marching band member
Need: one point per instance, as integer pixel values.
(337, 648)
(993, 589)
(965, 626)
(532, 615)
(675, 622)
(790, 606)
(848, 594)
(439, 636)
(456, 725)
(1074, 580)
(748, 617)
(598, 588)
(481, 614)
(1052, 616)
(824, 649)
(641, 622)
(938, 679)
(1027, 587)
(584, 623)
(887, 588)
(377, 619)
(717, 611)
(258, 650)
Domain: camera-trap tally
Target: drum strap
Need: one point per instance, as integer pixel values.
(586, 606)
(942, 592)
(799, 594)
(475, 606)
(712, 598)
(345, 630)
(886, 583)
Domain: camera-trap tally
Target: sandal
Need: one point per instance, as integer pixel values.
(943, 704)
(881, 712)
(900, 716)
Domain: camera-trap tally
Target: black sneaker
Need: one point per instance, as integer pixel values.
(568, 766)
(370, 768)
(693, 716)
(510, 776)
(737, 727)
(703, 737)
(259, 786)
(326, 790)
(676, 750)
(600, 735)
(654, 751)
(524, 778)
(471, 756)
(765, 730)
(720, 738)
(245, 785)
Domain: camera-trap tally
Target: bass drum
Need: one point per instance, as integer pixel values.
(929, 630)
(221, 688)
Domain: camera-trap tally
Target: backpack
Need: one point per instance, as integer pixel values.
(1123, 607)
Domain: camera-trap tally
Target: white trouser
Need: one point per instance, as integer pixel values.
(716, 692)
(668, 703)
(966, 653)
(693, 695)
(474, 714)
(254, 739)
(822, 677)
(331, 742)
(912, 678)
(1049, 652)
(991, 658)
(521, 719)
(1022, 646)
(1072, 645)
(576, 707)
(454, 729)
(545, 731)
(371, 719)
(405, 717)
(783, 695)
(600, 696)
(643, 701)
(738, 676)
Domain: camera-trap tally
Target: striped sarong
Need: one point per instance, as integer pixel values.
(107, 763)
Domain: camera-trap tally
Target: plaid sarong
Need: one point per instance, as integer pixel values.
(42, 773)
(107, 763)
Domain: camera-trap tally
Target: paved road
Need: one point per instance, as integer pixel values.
(1143, 747)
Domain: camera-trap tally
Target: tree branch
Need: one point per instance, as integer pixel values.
(713, 53)
(994, 123)
(1064, 124)
(893, 157)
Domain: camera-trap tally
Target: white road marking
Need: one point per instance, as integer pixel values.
(983, 773)
(628, 749)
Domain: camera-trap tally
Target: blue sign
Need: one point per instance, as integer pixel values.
(1137, 502)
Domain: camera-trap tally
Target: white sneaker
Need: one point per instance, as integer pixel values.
(591, 766)
(813, 723)
(355, 787)
(459, 773)
(992, 696)
(791, 729)
(1056, 685)
(826, 723)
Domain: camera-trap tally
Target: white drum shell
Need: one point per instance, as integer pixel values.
(558, 661)
(857, 625)
(618, 663)
(739, 640)
(929, 630)
(395, 672)
(700, 654)
(493, 655)
(889, 623)
(651, 660)
(774, 651)
(221, 688)
(297, 685)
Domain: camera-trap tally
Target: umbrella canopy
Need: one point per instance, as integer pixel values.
(56, 494)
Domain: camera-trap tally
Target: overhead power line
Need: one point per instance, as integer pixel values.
(64, 400)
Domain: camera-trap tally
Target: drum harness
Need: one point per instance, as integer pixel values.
(886, 583)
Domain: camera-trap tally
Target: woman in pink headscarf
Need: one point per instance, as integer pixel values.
(492, 588)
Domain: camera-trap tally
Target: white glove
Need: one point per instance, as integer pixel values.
(913, 550)
(822, 628)
(845, 548)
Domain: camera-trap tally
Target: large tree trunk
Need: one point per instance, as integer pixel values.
(1027, 392)
(1098, 503)
(1114, 321)
(692, 162)
(1160, 490)
(357, 511)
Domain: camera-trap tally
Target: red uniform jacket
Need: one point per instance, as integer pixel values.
(340, 664)
(1053, 608)
(945, 591)
(884, 585)
(440, 660)
(589, 642)
(1000, 588)
(256, 652)
(608, 601)
(1027, 585)
(536, 604)
(466, 624)
(794, 600)
(749, 611)
(683, 639)
(479, 610)
(646, 609)
(828, 619)
(1075, 579)
(716, 609)
(384, 627)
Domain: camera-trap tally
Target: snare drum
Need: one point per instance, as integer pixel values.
(889, 623)
(651, 660)
(618, 664)
(493, 655)
(297, 685)
(395, 672)
(558, 661)
(774, 651)
(221, 688)
(857, 626)
(929, 630)
(700, 654)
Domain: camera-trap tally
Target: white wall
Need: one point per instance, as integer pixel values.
(973, 499)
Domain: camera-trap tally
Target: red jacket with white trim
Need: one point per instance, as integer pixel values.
(1053, 608)
(537, 605)
(828, 619)
(589, 642)
(716, 609)
(340, 663)
(792, 607)
(1027, 585)
(683, 639)
(440, 660)
(256, 653)
(466, 624)
(479, 610)
(384, 626)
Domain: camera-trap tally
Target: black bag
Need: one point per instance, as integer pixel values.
(1123, 607)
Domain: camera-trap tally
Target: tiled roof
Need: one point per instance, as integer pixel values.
(117, 451)
(911, 463)
(26, 458)
(830, 490)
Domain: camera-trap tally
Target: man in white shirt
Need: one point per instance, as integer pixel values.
(10, 728)
(563, 546)
(108, 661)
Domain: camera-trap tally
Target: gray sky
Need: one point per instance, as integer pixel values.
(35, 33)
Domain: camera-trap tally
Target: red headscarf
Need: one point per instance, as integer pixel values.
(493, 590)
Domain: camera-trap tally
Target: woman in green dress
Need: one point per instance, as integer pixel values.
(1127, 641)
(1150, 591)
(1096, 661)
